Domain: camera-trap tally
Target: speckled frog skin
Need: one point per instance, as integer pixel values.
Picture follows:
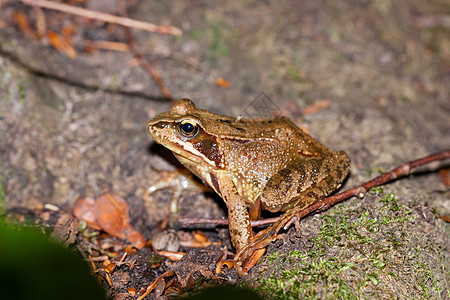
(250, 163)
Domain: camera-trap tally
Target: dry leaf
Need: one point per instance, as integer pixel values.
(444, 175)
(111, 212)
(198, 240)
(22, 20)
(68, 32)
(200, 237)
(131, 291)
(173, 256)
(316, 107)
(61, 44)
(107, 45)
(222, 82)
(135, 237)
(84, 211)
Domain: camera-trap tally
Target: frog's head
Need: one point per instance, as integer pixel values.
(185, 131)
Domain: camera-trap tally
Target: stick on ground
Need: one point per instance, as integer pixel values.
(95, 15)
(358, 191)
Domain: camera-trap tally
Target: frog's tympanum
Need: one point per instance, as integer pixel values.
(251, 164)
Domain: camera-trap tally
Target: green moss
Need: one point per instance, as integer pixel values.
(2, 197)
(158, 259)
(381, 170)
(295, 74)
(359, 251)
(377, 190)
(370, 172)
(21, 87)
(218, 36)
(301, 281)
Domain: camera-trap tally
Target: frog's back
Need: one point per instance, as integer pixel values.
(262, 149)
(279, 131)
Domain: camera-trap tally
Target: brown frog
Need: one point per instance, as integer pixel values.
(251, 163)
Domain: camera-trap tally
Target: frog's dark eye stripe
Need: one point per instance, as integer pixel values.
(188, 128)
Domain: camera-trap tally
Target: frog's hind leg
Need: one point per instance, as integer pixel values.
(305, 181)
(320, 176)
(309, 196)
(255, 210)
(315, 179)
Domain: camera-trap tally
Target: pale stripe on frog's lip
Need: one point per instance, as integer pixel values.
(153, 133)
(180, 149)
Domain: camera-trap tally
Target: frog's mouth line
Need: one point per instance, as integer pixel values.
(188, 152)
(179, 149)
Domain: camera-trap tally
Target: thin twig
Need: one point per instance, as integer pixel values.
(193, 221)
(358, 191)
(361, 190)
(149, 66)
(152, 286)
(90, 14)
(432, 21)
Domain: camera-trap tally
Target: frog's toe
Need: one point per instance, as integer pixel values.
(231, 264)
(252, 252)
(253, 259)
(223, 261)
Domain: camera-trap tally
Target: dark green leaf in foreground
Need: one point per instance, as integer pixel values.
(32, 267)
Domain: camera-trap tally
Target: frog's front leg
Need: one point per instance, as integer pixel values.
(238, 216)
(177, 181)
(239, 226)
(295, 188)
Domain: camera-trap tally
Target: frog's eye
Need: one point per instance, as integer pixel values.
(188, 128)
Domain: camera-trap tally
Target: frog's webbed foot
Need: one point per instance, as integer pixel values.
(249, 255)
(240, 267)
(253, 251)
(177, 181)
